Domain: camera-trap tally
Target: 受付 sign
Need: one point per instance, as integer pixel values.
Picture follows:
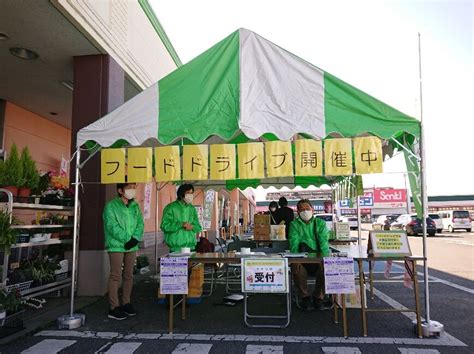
(269, 275)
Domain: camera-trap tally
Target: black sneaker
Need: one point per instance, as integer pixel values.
(129, 310)
(117, 314)
(328, 303)
(322, 305)
(306, 304)
(318, 304)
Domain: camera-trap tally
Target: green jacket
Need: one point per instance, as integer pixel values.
(302, 232)
(174, 215)
(121, 223)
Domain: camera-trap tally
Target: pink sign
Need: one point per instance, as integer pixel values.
(390, 195)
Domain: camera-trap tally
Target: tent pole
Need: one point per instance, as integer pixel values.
(156, 229)
(430, 328)
(359, 230)
(73, 320)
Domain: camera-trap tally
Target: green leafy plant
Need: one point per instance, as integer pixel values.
(42, 270)
(12, 169)
(31, 175)
(7, 234)
(11, 301)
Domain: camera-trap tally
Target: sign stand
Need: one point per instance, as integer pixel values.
(266, 275)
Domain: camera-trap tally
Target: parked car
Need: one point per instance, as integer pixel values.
(384, 220)
(352, 220)
(413, 225)
(456, 219)
(328, 218)
(438, 221)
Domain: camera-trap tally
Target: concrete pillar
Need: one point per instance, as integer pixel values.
(98, 89)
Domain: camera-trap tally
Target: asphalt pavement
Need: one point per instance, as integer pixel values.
(212, 327)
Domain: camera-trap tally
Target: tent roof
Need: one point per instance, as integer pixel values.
(241, 89)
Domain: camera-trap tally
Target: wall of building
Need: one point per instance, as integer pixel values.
(122, 29)
(47, 141)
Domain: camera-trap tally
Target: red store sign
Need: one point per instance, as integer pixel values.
(390, 195)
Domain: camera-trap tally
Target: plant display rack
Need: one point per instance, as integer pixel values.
(49, 287)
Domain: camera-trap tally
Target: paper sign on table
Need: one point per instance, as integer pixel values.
(265, 275)
(339, 275)
(174, 275)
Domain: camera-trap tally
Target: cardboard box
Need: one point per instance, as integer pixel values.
(353, 300)
(277, 233)
(261, 230)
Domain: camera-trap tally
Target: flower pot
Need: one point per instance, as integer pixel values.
(24, 192)
(12, 189)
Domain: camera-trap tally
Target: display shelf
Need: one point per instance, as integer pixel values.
(17, 205)
(43, 289)
(48, 226)
(53, 241)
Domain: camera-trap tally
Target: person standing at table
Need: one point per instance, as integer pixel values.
(273, 212)
(309, 234)
(123, 229)
(284, 213)
(180, 222)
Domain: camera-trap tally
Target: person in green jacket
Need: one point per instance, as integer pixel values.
(180, 222)
(123, 229)
(309, 234)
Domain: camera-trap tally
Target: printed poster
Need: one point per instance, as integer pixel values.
(147, 201)
(339, 275)
(174, 275)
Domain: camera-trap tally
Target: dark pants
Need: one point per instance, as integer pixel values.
(300, 275)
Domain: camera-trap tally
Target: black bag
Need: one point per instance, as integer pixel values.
(204, 246)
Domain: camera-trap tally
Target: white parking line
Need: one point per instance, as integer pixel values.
(439, 280)
(264, 349)
(340, 350)
(412, 316)
(192, 348)
(445, 340)
(123, 348)
(417, 351)
(49, 346)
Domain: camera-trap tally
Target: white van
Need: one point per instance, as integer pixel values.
(455, 220)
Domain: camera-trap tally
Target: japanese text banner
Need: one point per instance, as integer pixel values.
(167, 164)
(112, 165)
(139, 165)
(195, 161)
(338, 157)
(279, 158)
(222, 161)
(368, 155)
(308, 157)
(251, 160)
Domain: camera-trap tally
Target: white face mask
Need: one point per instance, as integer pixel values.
(272, 210)
(306, 215)
(188, 198)
(129, 193)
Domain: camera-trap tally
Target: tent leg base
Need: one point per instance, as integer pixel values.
(71, 322)
(431, 329)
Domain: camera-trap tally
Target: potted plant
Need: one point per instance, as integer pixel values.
(7, 234)
(11, 306)
(31, 176)
(11, 172)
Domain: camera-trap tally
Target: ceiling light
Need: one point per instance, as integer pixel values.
(68, 84)
(24, 53)
(3, 36)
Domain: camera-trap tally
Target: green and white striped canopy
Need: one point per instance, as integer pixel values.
(246, 88)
